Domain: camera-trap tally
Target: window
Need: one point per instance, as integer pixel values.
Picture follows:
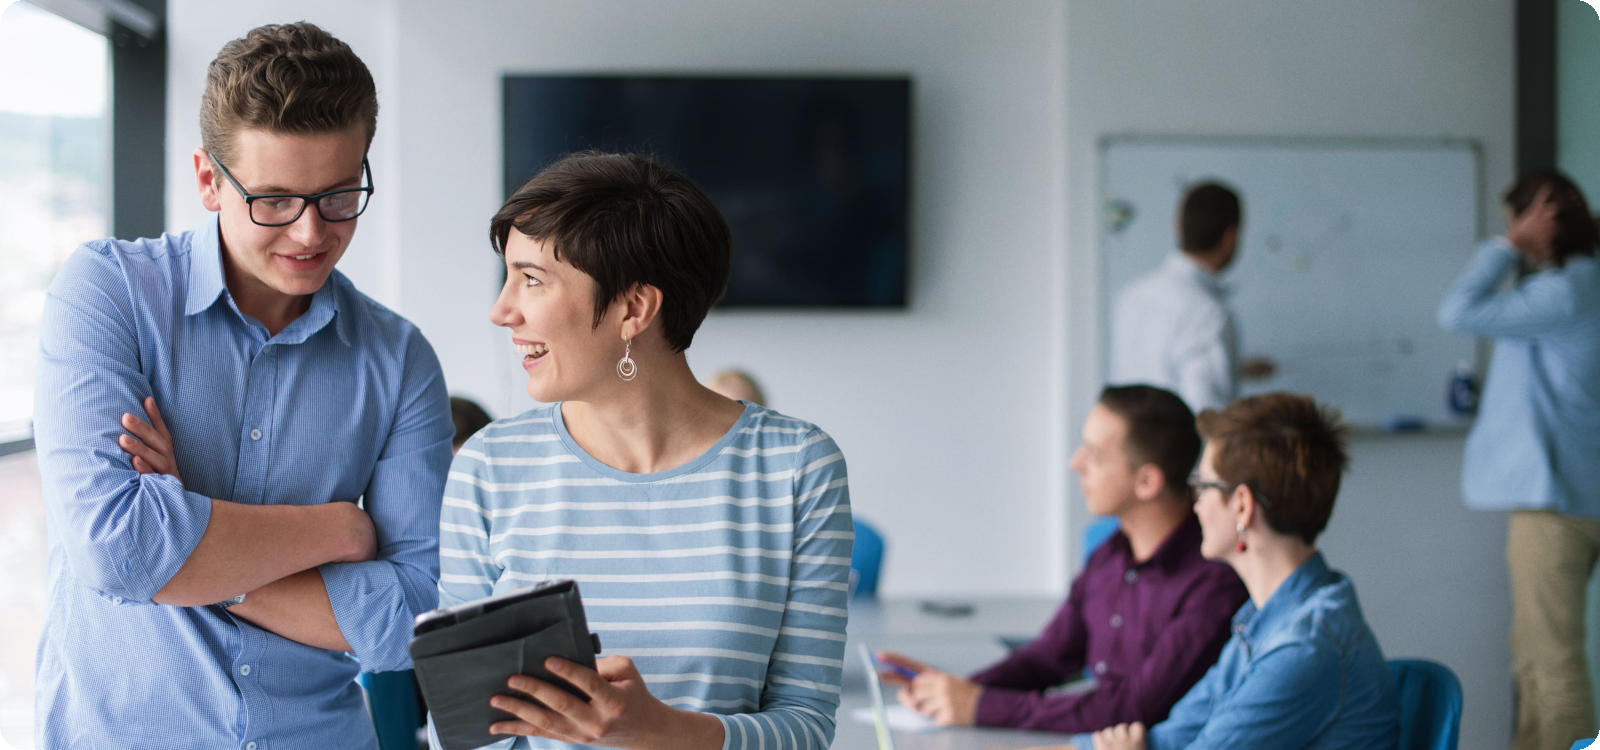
(55, 180)
(55, 193)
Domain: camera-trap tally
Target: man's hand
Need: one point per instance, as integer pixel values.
(1257, 368)
(1120, 737)
(149, 443)
(943, 697)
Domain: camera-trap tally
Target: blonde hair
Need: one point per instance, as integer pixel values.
(737, 384)
(285, 78)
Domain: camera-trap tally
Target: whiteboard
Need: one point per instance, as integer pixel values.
(1346, 248)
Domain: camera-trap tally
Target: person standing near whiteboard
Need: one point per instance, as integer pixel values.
(1172, 327)
(1533, 449)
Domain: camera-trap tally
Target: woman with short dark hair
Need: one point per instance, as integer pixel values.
(710, 538)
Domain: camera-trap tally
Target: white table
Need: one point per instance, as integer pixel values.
(959, 644)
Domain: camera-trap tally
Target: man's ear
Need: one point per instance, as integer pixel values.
(206, 180)
(641, 304)
(1148, 482)
(1230, 237)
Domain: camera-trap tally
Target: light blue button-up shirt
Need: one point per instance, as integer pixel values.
(1536, 442)
(347, 403)
(1302, 671)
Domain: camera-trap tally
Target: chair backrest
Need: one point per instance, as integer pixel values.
(866, 559)
(1099, 530)
(392, 698)
(1430, 704)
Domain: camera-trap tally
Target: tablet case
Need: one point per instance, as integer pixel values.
(464, 655)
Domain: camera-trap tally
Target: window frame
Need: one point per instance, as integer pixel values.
(136, 31)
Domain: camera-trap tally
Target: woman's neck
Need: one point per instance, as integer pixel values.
(660, 421)
(1268, 563)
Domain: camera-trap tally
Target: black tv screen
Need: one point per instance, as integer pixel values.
(812, 174)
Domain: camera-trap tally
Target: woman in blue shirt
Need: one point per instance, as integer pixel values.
(1534, 447)
(1302, 669)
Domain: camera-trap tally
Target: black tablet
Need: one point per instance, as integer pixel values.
(463, 655)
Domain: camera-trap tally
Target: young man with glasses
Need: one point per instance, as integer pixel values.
(1146, 617)
(211, 408)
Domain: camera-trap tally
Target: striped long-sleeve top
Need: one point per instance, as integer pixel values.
(725, 579)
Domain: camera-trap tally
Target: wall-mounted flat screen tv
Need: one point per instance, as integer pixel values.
(811, 173)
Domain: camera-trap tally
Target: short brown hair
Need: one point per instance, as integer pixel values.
(285, 78)
(1160, 431)
(1285, 448)
(1208, 211)
(627, 219)
(1576, 233)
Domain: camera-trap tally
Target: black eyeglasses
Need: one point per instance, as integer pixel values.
(1198, 485)
(282, 209)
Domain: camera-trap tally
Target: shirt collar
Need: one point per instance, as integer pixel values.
(1179, 544)
(1179, 264)
(1253, 624)
(324, 309)
(205, 268)
(206, 285)
(1172, 551)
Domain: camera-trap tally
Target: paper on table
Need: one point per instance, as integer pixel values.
(899, 717)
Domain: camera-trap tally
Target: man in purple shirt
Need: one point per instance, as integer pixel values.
(1146, 617)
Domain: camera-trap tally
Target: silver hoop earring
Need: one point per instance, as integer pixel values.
(627, 369)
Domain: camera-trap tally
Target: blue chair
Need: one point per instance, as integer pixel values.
(865, 560)
(1430, 704)
(1099, 530)
(392, 698)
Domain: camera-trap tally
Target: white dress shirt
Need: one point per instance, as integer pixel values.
(1172, 328)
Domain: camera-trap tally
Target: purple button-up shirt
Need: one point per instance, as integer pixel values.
(1146, 631)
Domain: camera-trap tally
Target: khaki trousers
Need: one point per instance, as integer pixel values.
(1551, 557)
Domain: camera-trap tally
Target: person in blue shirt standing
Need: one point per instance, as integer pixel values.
(1302, 669)
(1535, 447)
(243, 456)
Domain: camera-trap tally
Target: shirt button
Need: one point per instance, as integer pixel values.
(255, 434)
(1099, 667)
(1130, 576)
(245, 670)
(250, 746)
(116, 600)
(1116, 621)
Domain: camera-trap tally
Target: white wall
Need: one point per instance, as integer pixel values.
(1577, 109)
(1431, 574)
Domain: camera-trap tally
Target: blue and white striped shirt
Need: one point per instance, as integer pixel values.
(725, 579)
(348, 402)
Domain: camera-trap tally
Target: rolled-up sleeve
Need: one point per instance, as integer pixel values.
(123, 533)
(376, 602)
(801, 693)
